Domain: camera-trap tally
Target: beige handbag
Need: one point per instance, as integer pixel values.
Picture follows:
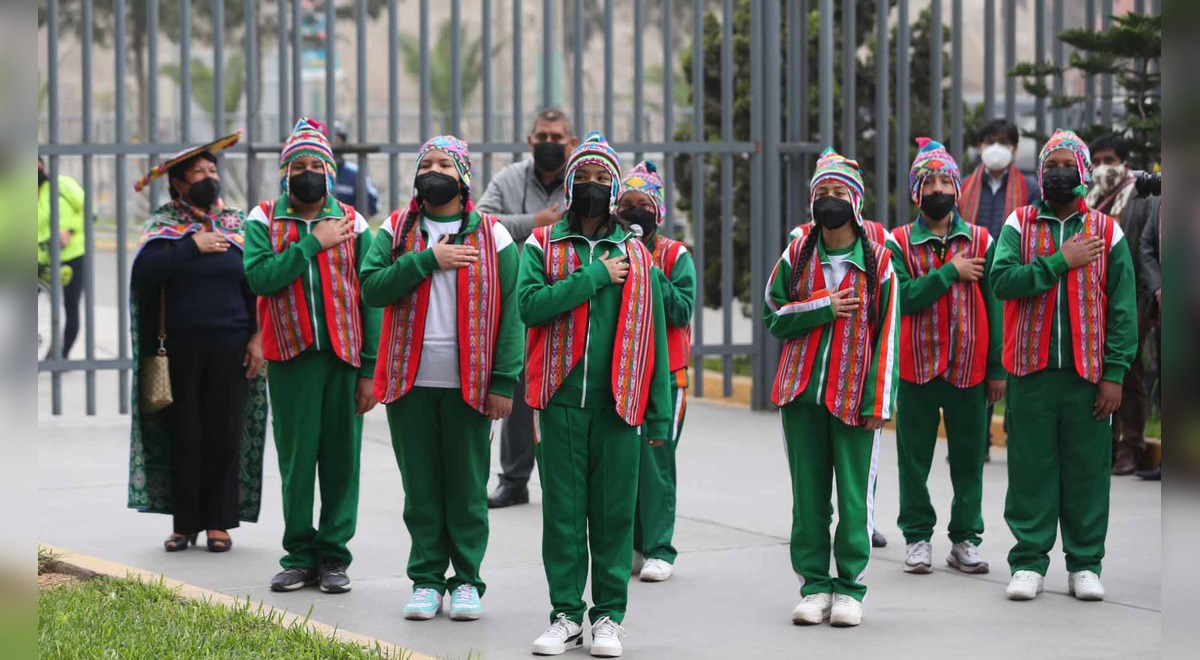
(156, 374)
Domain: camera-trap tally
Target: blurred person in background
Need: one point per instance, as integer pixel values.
(200, 458)
(1148, 255)
(345, 189)
(70, 242)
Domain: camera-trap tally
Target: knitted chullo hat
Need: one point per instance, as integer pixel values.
(594, 149)
(307, 139)
(832, 166)
(460, 154)
(644, 178)
(1064, 139)
(932, 158)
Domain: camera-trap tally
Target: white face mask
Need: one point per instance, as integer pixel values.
(996, 156)
(1108, 176)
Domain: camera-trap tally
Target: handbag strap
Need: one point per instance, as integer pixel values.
(162, 320)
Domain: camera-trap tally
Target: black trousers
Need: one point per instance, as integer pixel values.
(209, 387)
(516, 440)
(71, 294)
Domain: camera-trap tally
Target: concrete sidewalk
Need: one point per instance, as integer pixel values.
(733, 590)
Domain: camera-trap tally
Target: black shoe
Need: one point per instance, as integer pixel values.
(878, 540)
(177, 543)
(333, 578)
(1153, 474)
(291, 579)
(508, 495)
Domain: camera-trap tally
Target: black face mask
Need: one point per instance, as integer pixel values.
(549, 156)
(308, 186)
(832, 212)
(639, 217)
(1059, 184)
(936, 206)
(437, 188)
(590, 200)
(204, 192)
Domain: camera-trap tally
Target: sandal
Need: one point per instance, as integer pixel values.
(178, 542)
(218, 545)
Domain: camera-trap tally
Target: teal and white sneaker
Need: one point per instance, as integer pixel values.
(424, 604)
(464, 603)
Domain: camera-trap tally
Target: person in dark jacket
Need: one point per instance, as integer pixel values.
(345, 188)
(1151, 271)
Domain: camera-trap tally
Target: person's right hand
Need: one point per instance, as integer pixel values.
(1080, 250)
(970, 269)
(210, 242)
(333, 231)
(843, 304)
(547, 216)
(451, 256)
(618, 267)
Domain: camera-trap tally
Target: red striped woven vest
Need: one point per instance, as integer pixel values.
(679, 339)
(478, 317)
(285, 317)
(949, 338)
(1027, 321)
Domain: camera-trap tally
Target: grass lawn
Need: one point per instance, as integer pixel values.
(109, 618)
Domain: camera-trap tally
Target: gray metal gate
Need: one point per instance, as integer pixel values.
(778, 146)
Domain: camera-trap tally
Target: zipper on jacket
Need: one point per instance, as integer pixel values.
(312, 297)
(587, 342)
(1062, 232)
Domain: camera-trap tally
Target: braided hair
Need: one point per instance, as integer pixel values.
(872, 266)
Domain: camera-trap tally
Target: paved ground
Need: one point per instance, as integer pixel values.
(733, 590)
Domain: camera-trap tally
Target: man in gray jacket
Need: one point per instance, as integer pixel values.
(525, 195)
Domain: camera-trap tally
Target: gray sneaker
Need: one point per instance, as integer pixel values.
(919, 558)
(966, 558)
(291, 579)
(333, 577)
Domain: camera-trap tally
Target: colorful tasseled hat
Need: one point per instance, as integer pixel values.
(594, 149)
(932, 158)
(644, 178)
(307, 139)
(459, 153)
(1064, 139)
(185, 155)
(832, 166)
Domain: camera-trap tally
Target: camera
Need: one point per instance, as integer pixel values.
(1147, 183)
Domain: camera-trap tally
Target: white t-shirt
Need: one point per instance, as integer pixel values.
(439, 352)
(835, 271)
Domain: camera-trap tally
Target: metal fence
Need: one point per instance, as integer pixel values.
(778, 147)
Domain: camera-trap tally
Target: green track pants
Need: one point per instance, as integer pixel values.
(965, 414)
(654, 518)
(443, 448)
(317, 437)
(820, 449)
(588, 464)
(1059, 471)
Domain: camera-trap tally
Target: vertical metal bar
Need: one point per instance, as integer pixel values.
(989, 59)
(122, 221)
(1106, 80)
(152, 92)
(1039, 9)
(250, 15)
(394, 103)
(1010, 60)
(486, 63)
(757, 215)
(517, 74)
(548, 53)
(185, 71)
(1139, 6)
(282, 38)
(360, 27)
(727, 84)
(426, 89)
(697, 219)
(577, 77)
(1056, 51)
(89, 287)
(455, 66)
(805, 127)
(882, 113)
(297, 63)
(330, 69)
(849, 78)
(638, 75)
(956, 80)
(769, 234)
(55, 227)
(608, 68)
(825, 64)
(936, 54)
(668, 164)
(795, 130)
(1089, 81)
(903, 42)
(218, 28)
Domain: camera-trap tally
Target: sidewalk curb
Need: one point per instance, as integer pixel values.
(85, 566)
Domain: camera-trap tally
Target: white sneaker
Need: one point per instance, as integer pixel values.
(562, 635)
(919, 558)
(846, 611)
(639, 562)
(813, 609)
(656, 570)
(966, 558)
(606, 638)
(1025, 585)
(1085, 585)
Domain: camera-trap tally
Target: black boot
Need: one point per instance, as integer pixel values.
(508, 495)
